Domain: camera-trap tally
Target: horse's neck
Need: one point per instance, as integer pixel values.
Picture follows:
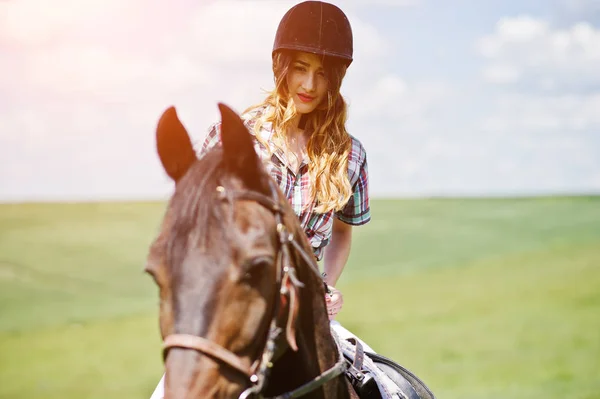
(295, 369)
(316, 353)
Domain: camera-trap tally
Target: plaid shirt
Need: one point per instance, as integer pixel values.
(317, 226)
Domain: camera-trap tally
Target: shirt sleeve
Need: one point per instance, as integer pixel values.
(358, 210)
(213, 138)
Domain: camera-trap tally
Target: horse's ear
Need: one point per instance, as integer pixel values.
(174, 146)
(238, 144)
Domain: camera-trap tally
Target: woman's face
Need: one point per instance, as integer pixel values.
(306, 82)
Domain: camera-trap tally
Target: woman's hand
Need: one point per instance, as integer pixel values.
(334, 302)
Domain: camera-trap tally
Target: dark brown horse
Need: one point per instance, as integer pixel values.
(242, 305)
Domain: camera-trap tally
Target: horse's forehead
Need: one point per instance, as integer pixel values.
(253, 214)
(254, 225)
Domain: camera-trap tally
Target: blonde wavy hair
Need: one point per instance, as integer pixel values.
(328, 145)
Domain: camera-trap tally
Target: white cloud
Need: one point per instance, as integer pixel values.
(530, 51)
(34, 23)
(530, 112)
(542, 85)
(581, 7)
(551, 82)
(499, 73)
(521, 29)
(394, 100)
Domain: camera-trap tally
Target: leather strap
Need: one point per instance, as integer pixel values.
(207, 347)
(359, 354)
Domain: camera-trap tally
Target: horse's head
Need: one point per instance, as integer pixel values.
(222, 262)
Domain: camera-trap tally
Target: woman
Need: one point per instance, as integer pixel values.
(301, 134)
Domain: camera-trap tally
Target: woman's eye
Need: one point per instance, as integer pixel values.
(300, 69)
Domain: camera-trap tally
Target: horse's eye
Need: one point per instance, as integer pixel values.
(255, 267)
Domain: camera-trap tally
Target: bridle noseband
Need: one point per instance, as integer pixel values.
(257, 372)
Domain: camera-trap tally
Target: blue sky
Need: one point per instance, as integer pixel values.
(448, 97)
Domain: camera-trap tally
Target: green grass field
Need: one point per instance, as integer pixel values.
(482, 298)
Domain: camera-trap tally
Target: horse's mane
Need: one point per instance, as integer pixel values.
(193, 211)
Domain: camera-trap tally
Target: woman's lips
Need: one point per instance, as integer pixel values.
(304, 98)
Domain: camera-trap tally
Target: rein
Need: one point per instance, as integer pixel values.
(257, 372)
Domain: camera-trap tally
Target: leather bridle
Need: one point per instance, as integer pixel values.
(257, 372)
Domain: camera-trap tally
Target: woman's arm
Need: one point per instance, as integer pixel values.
(335, 257)
(337, 252)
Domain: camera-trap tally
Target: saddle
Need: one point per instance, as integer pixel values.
(374, 376)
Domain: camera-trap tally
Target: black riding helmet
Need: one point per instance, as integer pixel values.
(315, 27)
